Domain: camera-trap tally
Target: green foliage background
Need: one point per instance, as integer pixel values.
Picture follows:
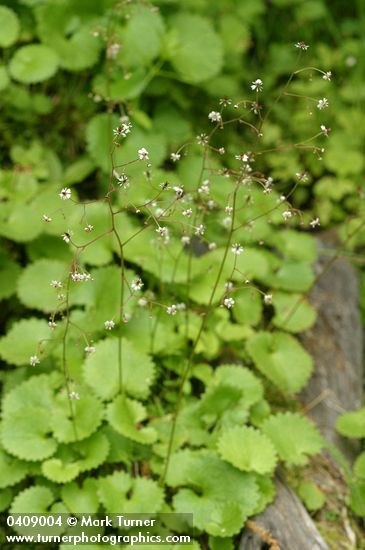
(58, 80)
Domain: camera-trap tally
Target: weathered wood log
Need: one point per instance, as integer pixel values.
(336, 345)
(287, 522)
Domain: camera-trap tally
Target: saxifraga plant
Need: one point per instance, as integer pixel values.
(171, 331)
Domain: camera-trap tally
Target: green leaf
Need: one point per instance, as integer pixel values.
(359, 466)
(247, 449)
(33, 63)
(101, 369)
(9, 27)
(34, 500)
(292, 312)
(148, 24)
(281, 359)
(78, 170)
(82, 424)
(8, 278)
(59, 472)
(294, 437)
(79, 52)
(91, 452)
(352, 424)
(219, 543)
(311, 495)
(242, 378)
(34, 285)
(293, 276)
(120, 491)
(22, 341)
(6, 496)
(125, 416)
(266, 492)
(197, 52)
(81, 499)
(295, 245)
(12, 470)
(247, 309)
(216, 484)
(4, 78)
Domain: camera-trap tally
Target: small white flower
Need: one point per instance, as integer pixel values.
(178, 190)
(137, 284)
(225, 101)
(175, 157)
(322, 103)
(215, 116)
(88, 228)
(52, 324)
(162, 231)
(33, 360)
(113, 50)
(314, 223)
(267, 298)
(237, 249)
(301, 45)
(228, 209)
(187, 213)
(172, 310)
(199, 231)
(325, 131)
(46, 218)
(61, 297)
(67, 236)
(243, 157)
(204, 188)
(229, 302)
(142, 302)
(227, 221)
(221, 150)
(74, 396)
(302, 176)
(228, 285)
(143, 154)
(257, 85)
(287, 214)
(327, 75)
(80, 277)
(212, 246)
(210, 204)
(56, 284)
(109, 325)
(202, 139)
(65, 194)
(123, 129)
(89, 349)
(185, 239)
(181, 306)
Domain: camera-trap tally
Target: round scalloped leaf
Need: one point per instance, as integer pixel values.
(293, 312)
(93, 451)
(240, 377)
(25, 434)
(293, 276)
(21, 341)
(220, 543)
(33, 63)
(295, 245)
(132, 495)
(59, 472)
(215, 483)
(148, 24)
(359, 466)
(12, 470)
(81, 499)
(225, 520)
(247, 308)
(196, 50)
(6, 496)
(34, 392)
(352, 424)
(4, 78)
(293, 436)
(247, 449)
(79, 52)
(87, 417)
(281, 359)
(9, 27)
(266, 492)
(34, 284)
(101, 369)
(125, 415)
(34, 500)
